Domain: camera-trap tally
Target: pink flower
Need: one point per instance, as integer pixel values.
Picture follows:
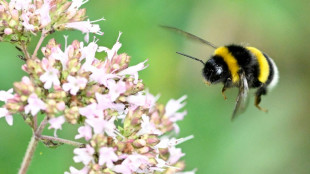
(26, 24)
(47, 63)
(84, 155)
(58, 54)
(84, 131)
(177, 116)
(35, 104)
(133, 70)
(100, 76)
(75, 171)
(122, 169)
(50, 77)
(8, 117)
(45, 18)
(175, 155)
(147, 127)
(56, 123)
(76, 4)
(20, 4)
(86, 27)
(171, 111)
(89, 53)
(176, 128)
(174, 105)
(14, 13)
(160, 164)
(139, 99)
(8, 31)
(105, 102)
(112, 52)
(74, 84)
(26, 81)
(5, 95)
(150, 99)
(107, 156)
(61, 106)
(97, 124)
(131, 164)
(165, 142)
(91, 111)
(101, 125)
(115, 89)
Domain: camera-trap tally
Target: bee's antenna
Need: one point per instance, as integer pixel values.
(199, 60)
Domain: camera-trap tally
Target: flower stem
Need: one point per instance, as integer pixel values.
(35, 122)
(29, 154)
(39, 130)
(34, 142)
(32, 147)
(43, 35)
(65, 141)
(24, 49)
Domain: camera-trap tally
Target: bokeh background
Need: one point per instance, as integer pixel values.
(256, 142)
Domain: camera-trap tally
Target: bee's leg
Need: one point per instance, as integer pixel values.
(223, 92)
(261, 91)
(227, 84)
(207, 82)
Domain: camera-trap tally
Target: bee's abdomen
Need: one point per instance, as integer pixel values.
(263, 63)
(273, 73)
(259, 69)
(267, 71)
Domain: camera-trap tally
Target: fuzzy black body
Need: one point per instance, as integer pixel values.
(217, 69)
(229, 64)
(237, 66)
(247, 63)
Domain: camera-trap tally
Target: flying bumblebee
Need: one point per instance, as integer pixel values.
(237, 66)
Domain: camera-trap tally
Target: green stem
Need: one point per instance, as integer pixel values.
(32, 147)
(34, 142)
(29, 154)
(43, 35)
(39, 130)
(65, 141)
(24, 49)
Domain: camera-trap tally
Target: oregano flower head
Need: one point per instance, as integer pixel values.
(124, 128)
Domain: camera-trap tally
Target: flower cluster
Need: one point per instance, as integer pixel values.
(21, 18)
(126, 130)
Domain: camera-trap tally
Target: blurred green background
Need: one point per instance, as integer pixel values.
(256, 142)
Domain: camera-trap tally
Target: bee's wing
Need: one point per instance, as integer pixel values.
(188, 35)
(242, 99)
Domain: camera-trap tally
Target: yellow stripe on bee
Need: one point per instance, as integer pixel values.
(231, 62)
(262, 62)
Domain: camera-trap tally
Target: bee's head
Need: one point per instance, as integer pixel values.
(215, 70)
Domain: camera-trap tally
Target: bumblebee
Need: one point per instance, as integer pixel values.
(237, 66)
